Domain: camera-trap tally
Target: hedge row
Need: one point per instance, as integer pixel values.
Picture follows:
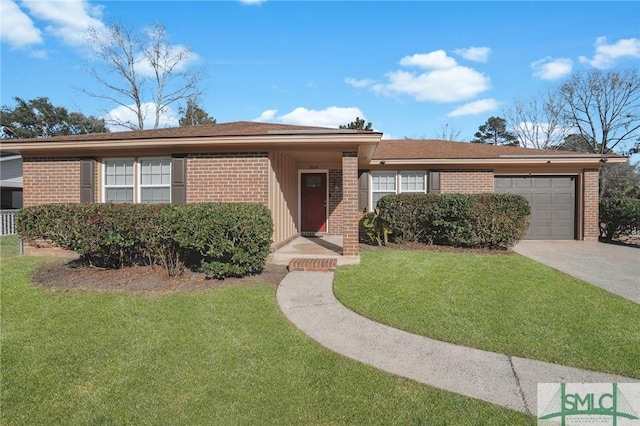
(220, 239)
(619, 216)
(496, 221)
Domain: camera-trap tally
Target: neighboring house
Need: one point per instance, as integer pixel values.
(314, 180)
(10, 180)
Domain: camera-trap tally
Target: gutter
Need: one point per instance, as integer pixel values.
(532, 159)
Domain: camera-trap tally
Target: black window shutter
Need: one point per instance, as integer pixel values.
(363, 189)
(87, 178)
(434, 182)
(179, 179)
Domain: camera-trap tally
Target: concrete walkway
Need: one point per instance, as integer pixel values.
(608, 266)
(307, 299)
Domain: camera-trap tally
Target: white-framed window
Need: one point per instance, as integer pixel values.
(118, 180)
(413, 181)
(394, 182)
(155, 180)
(143, 180)
(382, 183)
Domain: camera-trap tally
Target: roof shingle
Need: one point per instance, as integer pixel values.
(237, 128)
(439, 149)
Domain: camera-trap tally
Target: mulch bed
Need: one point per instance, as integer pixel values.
(430, 247)
(75, 275)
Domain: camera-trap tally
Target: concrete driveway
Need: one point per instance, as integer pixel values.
(611, 267)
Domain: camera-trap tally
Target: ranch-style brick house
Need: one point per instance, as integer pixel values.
(314, 180)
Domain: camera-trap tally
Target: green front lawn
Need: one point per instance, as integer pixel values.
(224, 356)
(497, 302)
(8, 246)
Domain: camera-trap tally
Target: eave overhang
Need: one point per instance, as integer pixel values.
(502, 160)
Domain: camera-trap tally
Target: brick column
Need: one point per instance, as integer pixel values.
(590, 203)
(350, 214)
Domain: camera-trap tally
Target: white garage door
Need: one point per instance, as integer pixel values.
(553, 204)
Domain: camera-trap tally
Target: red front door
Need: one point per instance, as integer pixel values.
(313, 202)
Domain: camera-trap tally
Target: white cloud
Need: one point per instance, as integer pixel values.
(16, 28)
(450, 85)
(606, 55)
(68, 20)
(476, 107)
(443, 79)
(328, 117)
(123, 114)
(365, 82)
(252, 1)
(267, 115)
(475, 54)
(437, 59)
(552, 69)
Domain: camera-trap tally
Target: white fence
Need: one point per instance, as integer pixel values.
(8, 222)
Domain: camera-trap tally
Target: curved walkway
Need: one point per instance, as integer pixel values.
(307, 300)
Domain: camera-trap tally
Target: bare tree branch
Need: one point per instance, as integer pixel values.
(135, 69)
(603, 108)
(537, 122)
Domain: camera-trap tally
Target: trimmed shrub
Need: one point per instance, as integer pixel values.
(478, 220)
(104, 235)
(233, 239)
(226, 239)
(619, 216)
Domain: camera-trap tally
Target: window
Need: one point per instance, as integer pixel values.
(118, 181)
(152, 184)
(383, 183)
(413, 181)
(155, 180)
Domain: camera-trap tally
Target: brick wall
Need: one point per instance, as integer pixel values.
(466, 181)
(350, 242)
(50, 180)
(228, 177)
(335, 202)
(590, 196)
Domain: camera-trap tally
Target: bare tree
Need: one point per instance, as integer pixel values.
(448, 134)
(536, 122)
(138, 67)
(603, 108)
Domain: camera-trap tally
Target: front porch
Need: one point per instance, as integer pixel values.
(324, 247)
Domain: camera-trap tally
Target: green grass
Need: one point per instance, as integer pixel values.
(8, 246)
(497, 302)
(223, 356)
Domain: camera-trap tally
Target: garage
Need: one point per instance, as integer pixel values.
(553, 204)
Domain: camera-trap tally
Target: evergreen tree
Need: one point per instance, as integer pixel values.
(193, 114)
(494, 132)
(358, 124)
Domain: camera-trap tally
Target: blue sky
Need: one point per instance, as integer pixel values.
(411, 68)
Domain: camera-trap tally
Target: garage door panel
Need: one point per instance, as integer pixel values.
(563, 199)
(564, 215)
(563, 232)
(537, 232)
(522, 183)
(542, 199)
(502, 184)
(552, 200)
(541, 183)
